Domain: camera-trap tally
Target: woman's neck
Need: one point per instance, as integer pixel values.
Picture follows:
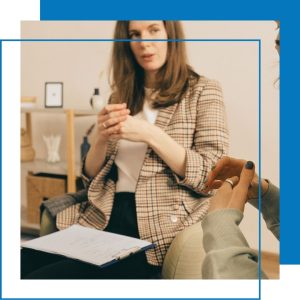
(150, 80)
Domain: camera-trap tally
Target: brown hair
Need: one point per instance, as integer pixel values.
(173, 78)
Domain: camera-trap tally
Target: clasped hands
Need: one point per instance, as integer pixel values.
(236, 182)
(114, 122)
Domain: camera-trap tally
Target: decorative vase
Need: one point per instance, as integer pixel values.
(84, 147)
(97, 102)
(52, 143)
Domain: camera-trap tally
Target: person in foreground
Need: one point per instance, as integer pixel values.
(228, 255)
(155, 143)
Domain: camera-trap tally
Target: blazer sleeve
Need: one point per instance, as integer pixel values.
(228, 255)
(270, 203)
(107, 164)
(210, 137)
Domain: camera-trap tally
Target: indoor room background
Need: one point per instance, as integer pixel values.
(227, 53)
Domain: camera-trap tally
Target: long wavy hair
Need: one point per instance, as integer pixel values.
(173, 78)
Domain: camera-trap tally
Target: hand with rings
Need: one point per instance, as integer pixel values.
(109, 120)
(233, 192)
(230, 182)
(228, 167)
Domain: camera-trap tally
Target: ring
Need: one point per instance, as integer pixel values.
(104, 125)
(230, 182)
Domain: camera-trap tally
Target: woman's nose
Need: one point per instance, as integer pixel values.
(145, 39)
(144, 43)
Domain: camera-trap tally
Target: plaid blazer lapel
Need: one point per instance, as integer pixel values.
(165, 115)
(162, 121)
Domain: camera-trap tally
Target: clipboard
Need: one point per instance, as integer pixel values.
(89, 245)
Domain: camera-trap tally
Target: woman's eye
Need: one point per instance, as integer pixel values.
(134, 35)
(155, 30)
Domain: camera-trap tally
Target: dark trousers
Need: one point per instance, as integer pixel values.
(41, 265)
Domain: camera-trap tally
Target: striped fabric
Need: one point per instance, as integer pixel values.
(165, 203)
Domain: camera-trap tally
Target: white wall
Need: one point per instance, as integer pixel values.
(233, 63)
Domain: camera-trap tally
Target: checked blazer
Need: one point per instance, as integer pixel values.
(165, 203)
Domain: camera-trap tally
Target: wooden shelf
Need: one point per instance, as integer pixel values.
(76, 112)
(59, 168)
(69, 167)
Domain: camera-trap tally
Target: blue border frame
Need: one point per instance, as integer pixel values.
(1, 166)
(169, 40)
(158, 10)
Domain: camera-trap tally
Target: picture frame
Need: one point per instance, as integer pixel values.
(53, 94)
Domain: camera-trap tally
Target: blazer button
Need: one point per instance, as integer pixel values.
(174, 219)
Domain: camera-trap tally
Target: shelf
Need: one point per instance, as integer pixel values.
(77, 112)
(38, 166)
(70, 168)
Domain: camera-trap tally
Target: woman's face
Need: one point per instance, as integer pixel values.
(150, 55)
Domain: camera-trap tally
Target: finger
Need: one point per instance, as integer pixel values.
(213, 174)
(223, 195)
(107, 115)
(247, 175)
(112, 130)
(239, 196)
(216, 184)
(119, 113)
(114, 121)
(230, 182)
(103, 118)
(113, 107)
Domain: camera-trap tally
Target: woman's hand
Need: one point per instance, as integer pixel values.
(228, 167)
(109, 120)
(171, 152)
(134, 130)
(108, 123)
(233, 192)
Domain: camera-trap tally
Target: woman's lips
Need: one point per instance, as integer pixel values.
(147, 57)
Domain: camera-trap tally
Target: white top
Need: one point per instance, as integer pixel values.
(130, 156)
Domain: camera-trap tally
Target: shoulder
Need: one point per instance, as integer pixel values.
(204, 87)
(204, 83)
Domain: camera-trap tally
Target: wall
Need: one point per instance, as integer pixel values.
(82, 66)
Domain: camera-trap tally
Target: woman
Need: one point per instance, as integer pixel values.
(155, 143)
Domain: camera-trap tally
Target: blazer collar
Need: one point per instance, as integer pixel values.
(165, 115)
(162, 121)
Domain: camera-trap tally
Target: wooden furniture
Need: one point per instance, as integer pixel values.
(68, 167)
(70, 134)
(40, 187)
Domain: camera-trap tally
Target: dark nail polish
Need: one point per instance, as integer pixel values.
(249, 165)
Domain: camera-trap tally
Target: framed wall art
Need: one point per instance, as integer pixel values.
(53, 94)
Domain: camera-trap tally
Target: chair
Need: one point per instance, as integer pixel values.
(184, 257)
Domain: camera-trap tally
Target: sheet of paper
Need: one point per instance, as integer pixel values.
(86, 244)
